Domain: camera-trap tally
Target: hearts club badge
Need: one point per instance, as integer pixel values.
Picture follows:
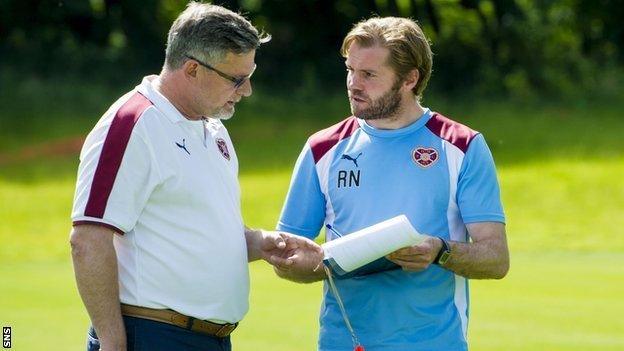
(425, 156)
(221, 144)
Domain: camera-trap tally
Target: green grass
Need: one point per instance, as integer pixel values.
(565, 205)
(549, 301)
(560, 170)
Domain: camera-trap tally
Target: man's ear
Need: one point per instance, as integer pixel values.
(411, 79)
(190, 68)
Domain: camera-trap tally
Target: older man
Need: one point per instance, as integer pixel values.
(159, 247)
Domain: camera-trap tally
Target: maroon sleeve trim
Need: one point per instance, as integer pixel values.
(112, 227)
(451, 131)
(321, 142)
(112, 153)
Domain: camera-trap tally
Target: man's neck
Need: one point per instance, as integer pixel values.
(166, 84)
(407, 114)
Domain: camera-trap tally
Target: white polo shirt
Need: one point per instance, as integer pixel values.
(170, 187)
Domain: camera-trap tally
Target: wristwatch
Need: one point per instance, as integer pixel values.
(444, 254)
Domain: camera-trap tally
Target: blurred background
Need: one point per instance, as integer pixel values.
(541, 79)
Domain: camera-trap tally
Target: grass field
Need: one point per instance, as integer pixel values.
(560, 168)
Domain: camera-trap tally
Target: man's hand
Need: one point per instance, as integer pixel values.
(299, 253)
(486, 256)
(301, 261)
(95, 267)
(418, 257)
(263, 244)
(271, 244)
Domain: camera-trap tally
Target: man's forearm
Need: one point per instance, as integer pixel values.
(486, 259)
(95, 267)
(302, 275)
(253, 238)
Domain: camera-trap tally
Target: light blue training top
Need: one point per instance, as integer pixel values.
(437, 172)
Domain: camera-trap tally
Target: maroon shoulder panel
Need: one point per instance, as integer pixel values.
(324, 140)
(112, 153)
(451, 131)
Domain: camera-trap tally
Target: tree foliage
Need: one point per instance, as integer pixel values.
(522, 47)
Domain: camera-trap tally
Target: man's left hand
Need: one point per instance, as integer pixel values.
(271, 244)
(418, 257)
(300, 261)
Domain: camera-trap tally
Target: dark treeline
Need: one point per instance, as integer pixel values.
(522, 47)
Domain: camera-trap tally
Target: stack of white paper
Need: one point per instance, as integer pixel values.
(366, 245)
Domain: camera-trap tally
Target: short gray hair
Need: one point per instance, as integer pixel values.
(208, 32)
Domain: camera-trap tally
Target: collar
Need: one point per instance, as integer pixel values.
(146, 88)
(390, 133)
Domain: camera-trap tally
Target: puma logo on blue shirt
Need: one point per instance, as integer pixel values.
(347, 157)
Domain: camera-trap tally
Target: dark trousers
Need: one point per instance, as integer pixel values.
(146, 335)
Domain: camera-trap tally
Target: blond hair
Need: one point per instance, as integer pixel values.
(408, 46)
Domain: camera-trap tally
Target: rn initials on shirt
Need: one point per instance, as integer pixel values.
(348, 178)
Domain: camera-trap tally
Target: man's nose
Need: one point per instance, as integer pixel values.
(245, 89)
(354, 82)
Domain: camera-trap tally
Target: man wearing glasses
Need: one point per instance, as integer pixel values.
(159, 246)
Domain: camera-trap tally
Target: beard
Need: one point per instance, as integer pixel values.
(223, 114)
(384, 107)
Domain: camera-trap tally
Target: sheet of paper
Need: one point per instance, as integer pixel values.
(366, 245)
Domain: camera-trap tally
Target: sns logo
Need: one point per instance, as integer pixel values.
(6, 337)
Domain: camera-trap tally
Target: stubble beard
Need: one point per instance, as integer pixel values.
(385, 107)
(222, 114)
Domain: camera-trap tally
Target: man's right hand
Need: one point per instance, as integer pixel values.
(112, 347)
(95, 268)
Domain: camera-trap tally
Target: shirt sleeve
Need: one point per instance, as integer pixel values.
(109, 195)
(304, 208)
(478, 193)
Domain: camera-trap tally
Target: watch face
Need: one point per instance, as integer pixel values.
(444, 257)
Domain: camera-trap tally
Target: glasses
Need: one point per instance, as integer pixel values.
(238, 81)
